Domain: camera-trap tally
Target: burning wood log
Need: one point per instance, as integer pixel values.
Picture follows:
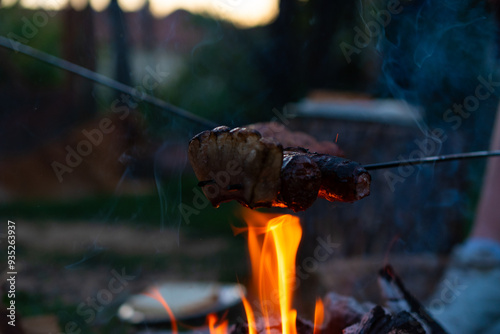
(342, 312)
(377, 321)
(399, 299)
(303, 326)
(374, 321)
(242, 165)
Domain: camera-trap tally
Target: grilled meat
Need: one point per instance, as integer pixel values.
(237, 164)
(242, 165)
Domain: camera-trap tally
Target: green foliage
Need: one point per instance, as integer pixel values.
(45, 35)
(219, 81)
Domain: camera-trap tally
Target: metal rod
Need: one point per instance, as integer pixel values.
(439, 158)
(111, 83)
(103, 80)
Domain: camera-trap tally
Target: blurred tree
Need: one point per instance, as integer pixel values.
(147, 27)
(40, 101)
(301, 54)
(238, 76)
(120, 42)
(78, 44)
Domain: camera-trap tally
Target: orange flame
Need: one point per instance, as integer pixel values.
(155, 294)
(273, 242)
(319, 315)
(219, 329)
(250, 316)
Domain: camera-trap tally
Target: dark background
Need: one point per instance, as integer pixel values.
(130, 187)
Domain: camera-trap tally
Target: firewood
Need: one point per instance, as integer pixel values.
(343, 311)
(378, 321)
(400, 299)
(303, 327)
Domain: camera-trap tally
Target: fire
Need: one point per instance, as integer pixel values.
(273, 241)
(319, 315)
(155, 294)
(216, 329)
(212, 319)
(250, 316)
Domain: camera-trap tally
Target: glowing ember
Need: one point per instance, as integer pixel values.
(216, 329)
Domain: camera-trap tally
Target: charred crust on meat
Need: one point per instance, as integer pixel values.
(297, 149)
(244, 166)
(341, 179)
(238, 186)
(220, 129)
(300, 182)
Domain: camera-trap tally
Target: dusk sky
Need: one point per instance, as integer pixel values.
(243, 13)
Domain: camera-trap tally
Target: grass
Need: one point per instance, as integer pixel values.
(70, 321)
(136, 211)
(106, 320)
(133, 210)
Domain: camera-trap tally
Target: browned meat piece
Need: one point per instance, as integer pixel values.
(237, 164)
(289, 138)
(341, 179)
(300, 182)
(242, 165)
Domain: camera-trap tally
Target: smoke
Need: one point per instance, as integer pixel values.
(432, 53)
(168, 169)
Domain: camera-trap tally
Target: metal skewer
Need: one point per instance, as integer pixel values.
(438, 158)
(111, 83)
(103, 80)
